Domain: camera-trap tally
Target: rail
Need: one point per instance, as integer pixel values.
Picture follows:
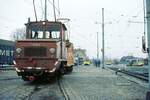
(7, 79)
(142, 76)
(62, 89)
(6, 67)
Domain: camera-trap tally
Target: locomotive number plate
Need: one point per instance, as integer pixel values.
(35, 44)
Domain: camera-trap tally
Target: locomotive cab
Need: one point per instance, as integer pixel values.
(43, 52)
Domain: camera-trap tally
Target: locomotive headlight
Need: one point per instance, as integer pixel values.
(18, 50)
(52, 50)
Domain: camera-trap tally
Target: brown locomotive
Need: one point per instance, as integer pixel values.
(44, 51)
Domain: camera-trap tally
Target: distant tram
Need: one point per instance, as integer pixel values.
(6, 52)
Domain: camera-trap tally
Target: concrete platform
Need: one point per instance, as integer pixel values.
(91, 83)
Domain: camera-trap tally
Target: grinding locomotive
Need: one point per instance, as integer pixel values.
(44, 51)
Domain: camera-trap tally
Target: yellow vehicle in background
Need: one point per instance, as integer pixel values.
(109, 62)
(138, 63)
(87, 62)
(135, 62)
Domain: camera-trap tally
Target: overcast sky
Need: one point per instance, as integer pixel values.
(122, 35)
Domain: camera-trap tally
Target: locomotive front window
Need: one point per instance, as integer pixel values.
(48, 35)
(37, 34)
(40, 31)
(55, 34)
(52, 34)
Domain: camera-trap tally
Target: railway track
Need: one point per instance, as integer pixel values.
(7, 79)
(62, 89)
(29, 97)
(38, 88)
(142, 76)
(6, 68)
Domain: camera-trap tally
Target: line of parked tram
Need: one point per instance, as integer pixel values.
(6, 52)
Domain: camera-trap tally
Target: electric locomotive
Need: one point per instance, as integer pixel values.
(43, 53)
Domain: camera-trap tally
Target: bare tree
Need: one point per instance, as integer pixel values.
(19, 34)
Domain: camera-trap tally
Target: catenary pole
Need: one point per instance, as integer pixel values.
(97, 49)
(103, 42)
(148, 33)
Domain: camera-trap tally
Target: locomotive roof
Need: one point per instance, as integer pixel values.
(46, 23)
(41, 40)
(6, 42)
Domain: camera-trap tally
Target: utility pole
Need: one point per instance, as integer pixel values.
(103, 42)
(97, 49)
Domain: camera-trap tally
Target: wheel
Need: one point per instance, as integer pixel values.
(71, 69)
(62, 71)
(25, 78)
